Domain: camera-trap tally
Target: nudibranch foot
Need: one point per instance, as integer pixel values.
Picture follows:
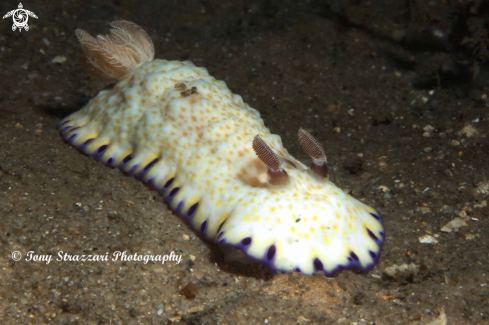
(175, 127)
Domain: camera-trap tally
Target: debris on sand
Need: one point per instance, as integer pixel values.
(428, 239)
(402, 271)
(441, 320)
(454, 225)
(482, 188)
(468, 131)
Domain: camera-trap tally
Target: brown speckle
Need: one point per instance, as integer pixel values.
(189, 291)
(189, 92)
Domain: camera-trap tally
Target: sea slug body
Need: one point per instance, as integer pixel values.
(209, 154)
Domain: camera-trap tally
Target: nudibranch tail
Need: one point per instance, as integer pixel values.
(178, 129)
(115, 56)
(277, 174)
(312, 147)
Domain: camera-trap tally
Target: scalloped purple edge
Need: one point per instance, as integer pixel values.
(270, 255)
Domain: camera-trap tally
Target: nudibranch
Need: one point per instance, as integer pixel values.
(218, 167)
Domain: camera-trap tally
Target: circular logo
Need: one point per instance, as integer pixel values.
(20, 18)
(16, 256)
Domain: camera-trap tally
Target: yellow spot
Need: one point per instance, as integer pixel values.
(338, 215)
(344, 233)
(315, 218)
(218, 203)
(306, 236)
(290, 206)
(338, 204)
(323, 227)
(272, 209)
(326, 239)
(292, 229)
(335, 227)
(349, 225)
(312, 229)
(278, 220)
(247, 217)
(230, 199)
(223, 217)
(257, 218)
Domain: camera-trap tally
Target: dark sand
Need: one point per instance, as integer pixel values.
(419, 157)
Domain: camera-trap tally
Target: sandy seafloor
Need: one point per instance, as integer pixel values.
(417, 154)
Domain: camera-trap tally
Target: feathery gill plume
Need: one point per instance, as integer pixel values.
(115, 56)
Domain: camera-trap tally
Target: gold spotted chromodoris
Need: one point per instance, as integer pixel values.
(209, 154)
